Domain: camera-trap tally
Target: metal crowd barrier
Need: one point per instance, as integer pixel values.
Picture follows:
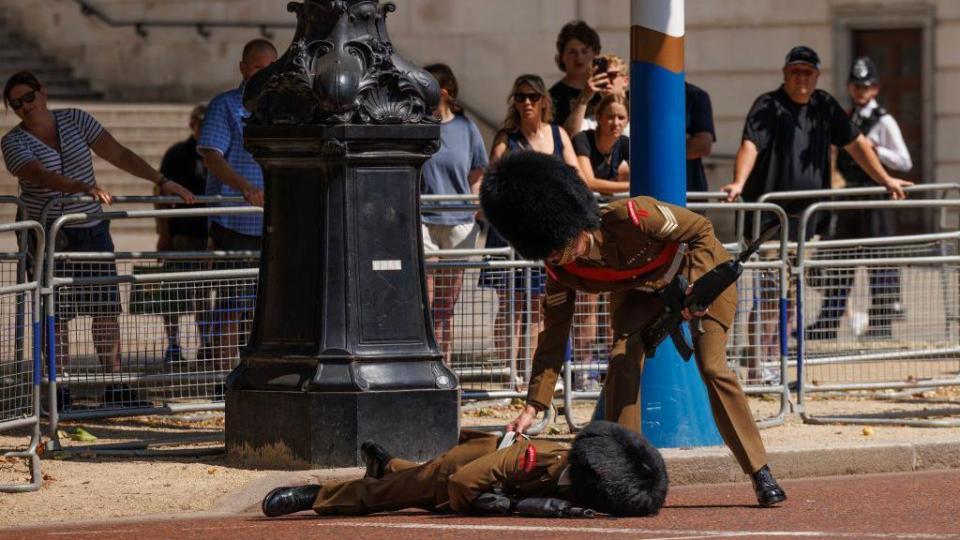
(20, 356)
(203, 301)
(58, 203)
(757, 349)
(492, 312)
(779, 197)
(883, 355)
(493, 320)
(757, 346)
(153, 287)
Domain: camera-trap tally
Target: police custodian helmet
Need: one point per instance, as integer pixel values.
(863, 72)
(537, 203)
(617, 471)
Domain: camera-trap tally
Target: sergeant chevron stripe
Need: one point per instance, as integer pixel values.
(555, 299)
(671, 223)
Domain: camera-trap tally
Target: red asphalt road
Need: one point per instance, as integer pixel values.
(918, 506)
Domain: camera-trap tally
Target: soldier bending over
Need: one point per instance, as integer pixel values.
(631, 248)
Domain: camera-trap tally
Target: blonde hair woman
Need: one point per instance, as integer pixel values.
(526, 127)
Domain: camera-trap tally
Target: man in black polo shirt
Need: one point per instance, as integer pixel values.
(787, 139)
(700, 136)
(786, 147)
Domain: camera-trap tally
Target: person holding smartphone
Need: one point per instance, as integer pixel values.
(577, 47)
(611, 77)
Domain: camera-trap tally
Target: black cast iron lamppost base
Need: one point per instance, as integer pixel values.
(342, 348)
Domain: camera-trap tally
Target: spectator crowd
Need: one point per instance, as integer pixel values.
(794, 138)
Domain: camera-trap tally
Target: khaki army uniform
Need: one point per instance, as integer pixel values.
(640, 245)
(451, 482)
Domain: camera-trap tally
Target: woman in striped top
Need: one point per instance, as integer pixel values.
(49, 153)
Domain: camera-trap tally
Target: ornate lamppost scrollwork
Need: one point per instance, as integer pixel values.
(341, 69)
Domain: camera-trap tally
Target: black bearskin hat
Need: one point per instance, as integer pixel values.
(537, 203)
(617, 471)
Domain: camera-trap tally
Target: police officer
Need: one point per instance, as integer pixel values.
(883, 134)
(632, 248)
(606, 469)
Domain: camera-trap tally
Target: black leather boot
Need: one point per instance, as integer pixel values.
(768, 490)
(376, 459)
(287, 500)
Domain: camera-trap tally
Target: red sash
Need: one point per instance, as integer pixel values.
(605, 274)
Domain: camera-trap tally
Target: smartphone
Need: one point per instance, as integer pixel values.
(600, 65)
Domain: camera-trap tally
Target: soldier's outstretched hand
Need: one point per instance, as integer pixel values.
(523, 422)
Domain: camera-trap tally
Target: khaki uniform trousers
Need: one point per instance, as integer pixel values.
(633, 309)
(405, 484)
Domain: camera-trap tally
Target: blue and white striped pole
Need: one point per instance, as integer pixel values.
(675, 409)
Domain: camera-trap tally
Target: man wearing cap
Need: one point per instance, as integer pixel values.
(787, 138)
(883, 134)
(786, 146)
(632, 248)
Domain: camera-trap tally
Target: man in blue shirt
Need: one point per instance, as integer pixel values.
(232, 172)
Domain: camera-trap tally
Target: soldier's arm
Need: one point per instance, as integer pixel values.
(484, 473)
(558, 306)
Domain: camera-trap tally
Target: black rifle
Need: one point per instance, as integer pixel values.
(549, 507)
(705, 290)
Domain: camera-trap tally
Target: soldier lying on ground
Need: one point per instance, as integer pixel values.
(632, 248)
(607, 469)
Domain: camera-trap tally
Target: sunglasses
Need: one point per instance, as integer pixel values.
(29, 97)
(520, 97)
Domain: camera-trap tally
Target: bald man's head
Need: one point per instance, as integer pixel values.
(257, 54)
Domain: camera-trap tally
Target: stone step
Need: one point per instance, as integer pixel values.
(18, 54)
(19, 46)
(135, 137)
(43, 72)
(63, 80)
(66, 88)
(35, 58)
(30, 59)
(59, 87)
(73, 93)
(117, 116)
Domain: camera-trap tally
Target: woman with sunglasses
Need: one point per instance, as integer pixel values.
(526, 127)
(49, 153)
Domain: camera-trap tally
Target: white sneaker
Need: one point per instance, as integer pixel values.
(858, 321)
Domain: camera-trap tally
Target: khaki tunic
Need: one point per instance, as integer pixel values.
(642, 233)
(451, 482)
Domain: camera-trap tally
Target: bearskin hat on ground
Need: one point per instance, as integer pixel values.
(617, 471)
(537, 203)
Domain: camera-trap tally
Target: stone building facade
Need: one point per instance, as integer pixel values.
(734, 50)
